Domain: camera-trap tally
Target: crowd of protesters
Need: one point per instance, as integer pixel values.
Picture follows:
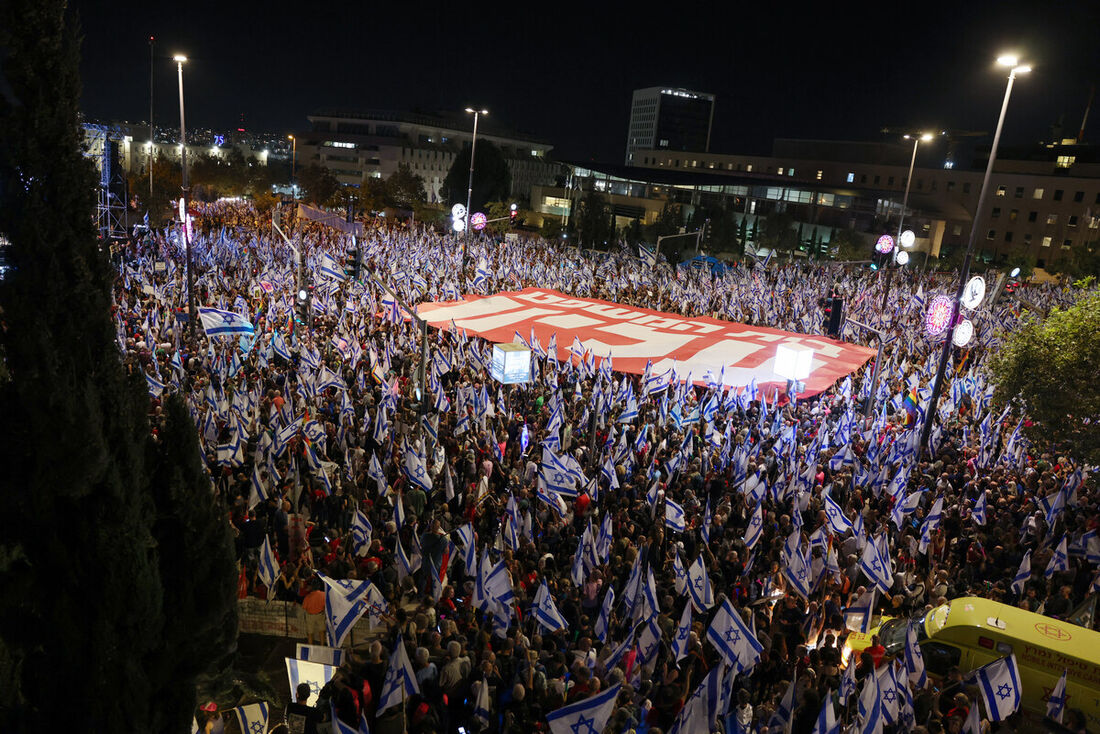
(484, 445)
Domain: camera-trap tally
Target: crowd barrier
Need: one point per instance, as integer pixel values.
(288, 619)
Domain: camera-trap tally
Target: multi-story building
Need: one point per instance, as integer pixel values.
(357, 145)
(1044, 199)
(663, 118)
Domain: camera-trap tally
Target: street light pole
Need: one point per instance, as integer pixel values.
(179, 59)
(901, 219)
(293, 157)
(470, 188)
(151, 138)
(964, 272)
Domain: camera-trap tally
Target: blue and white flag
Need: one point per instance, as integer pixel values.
(733, 639)
(305, 671)
(683, 633)
(999, 684)
(978, 513)
(858, 616)
(847, 683)
(330, 267)
(870, 707)
(268, 567)
(216, 322)
(889, 693)
(1023, 574)
(252, 718)
(156, 387)
(698, 585)
(1056, 701)
(588, 716)
(674, 516)
(481, 704)
(416, 470)
(319, 654)
(914, 658)
(756, 527)
(875, 568)
(603, 622)
(826, 721)
(341, 613)
(781, 718)
(838, 523)
(1059, 561)
(339, 727)
(400, 681)
(546, 612)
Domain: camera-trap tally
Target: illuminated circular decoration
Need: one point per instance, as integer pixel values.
(902, 257)
(458, 211)
(458, 225)
(964, 330)
(478, 220)
(974, 292)
(938, 316)
(908, 238)
(885, 244)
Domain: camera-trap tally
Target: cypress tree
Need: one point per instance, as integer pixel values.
(85, 639)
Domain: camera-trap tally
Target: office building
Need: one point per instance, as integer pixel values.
(663, 118)
(373, 143)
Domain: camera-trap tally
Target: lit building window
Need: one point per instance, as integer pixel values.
(819, 174)
(1037, 194)
(780, 170)
(851, 177)
(790, 172)
(1046, 242)
(1002, 190)
(1065, 161)
(748, 168)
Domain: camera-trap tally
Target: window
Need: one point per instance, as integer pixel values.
(991, 234)
(780, 171)
(863, 178)
(1027, 238)
(1002, 190)
(877, 179)
(1008, 236)
(1072, 221)
(1079, 197)
(890, 181)
(1037, 194)
(957, 230)
(1066, 243)
(790, 172)
(852, 179)
(1052, 219)
(1058, 194)
(1097, 198)
(966, 187)
(950, 185)
(1046, 242)
(748, 168)
(1019, 192)
(996, 212)
(939, 658)
(820, 172)
(1013, 214)
(1032, 216)
(1064, 161)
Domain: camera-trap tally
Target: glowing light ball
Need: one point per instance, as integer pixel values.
(908, 238)
(902, 257)
(885, 244)
(964, 331)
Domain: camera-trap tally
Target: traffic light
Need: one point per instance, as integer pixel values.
(353, 260)
(304, 294)
(834, 314)
(513, 214)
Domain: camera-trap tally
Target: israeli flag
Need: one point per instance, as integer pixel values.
(683, 633)
(253, 717)
(361, 532)
(858, 616)
(889, 694)
(733, 639)
(1059, 561)
(838, 523)
(756, 527)
(914, 658)
(1023, 574)
(315, 674)
(156, 387)
(978, 513)
(319, 654)
(674, 516)
(331, 268)
(603, 622)
(269, 567)
(781, 718)
(999, 684)
(216, 322)
(826, 721)
(848, 683)
(400, 681)
(588, 716)
(870, 707)
(875, 568)
(698, 585)
(416, 471)
(1056, 702)
(341, 613)
(546, 612)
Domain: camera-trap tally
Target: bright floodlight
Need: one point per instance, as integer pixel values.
(793, 361)
(180, 58)
(1008, 60)
(290, 137)
(1022, 69)
(472, 110)
(1014, 273)
(926, 137)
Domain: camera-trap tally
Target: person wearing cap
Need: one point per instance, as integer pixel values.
(212, 722)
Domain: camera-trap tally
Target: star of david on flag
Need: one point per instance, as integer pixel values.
(733, 639)
(999, 684)
(304, 671)
(588, 716)
(216, 322)
(252, 718)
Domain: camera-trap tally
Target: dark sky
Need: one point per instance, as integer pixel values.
(565, 71)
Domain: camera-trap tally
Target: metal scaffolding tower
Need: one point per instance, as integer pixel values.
(103, 148)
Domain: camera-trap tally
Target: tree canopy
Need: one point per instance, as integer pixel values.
(492, 178)
(1050, 367)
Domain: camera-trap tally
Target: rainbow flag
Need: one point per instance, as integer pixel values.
(910, 405)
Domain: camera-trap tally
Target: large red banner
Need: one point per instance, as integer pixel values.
(693, 347)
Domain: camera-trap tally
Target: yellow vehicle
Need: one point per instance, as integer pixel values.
(970, 632)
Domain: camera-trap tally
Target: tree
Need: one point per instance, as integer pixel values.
(1081, 262)
(847, 244)
(1049, 368)
(669, 220)
(778, 233)
(492, 178)
(84, 605)
(594, 222)
(318, 184)
(405, 189)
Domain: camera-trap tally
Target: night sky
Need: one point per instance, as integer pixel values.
(565, 71)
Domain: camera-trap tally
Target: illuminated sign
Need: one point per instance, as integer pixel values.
(974, 292)
(938, 317)
(885, 244)
(963, 332)
(478, 220)
(511, 364)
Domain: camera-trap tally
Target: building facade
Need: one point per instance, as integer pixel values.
(663, 118)
(358, 145)
(1044, 200)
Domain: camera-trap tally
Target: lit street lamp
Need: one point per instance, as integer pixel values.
(917, 139)
(1015, 68)
(293, 157)
(180, 59)
(470, 187)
